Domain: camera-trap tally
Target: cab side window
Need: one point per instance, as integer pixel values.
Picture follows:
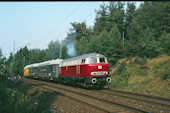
(83, 61)
(102, 60)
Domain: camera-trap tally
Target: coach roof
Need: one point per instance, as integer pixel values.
(84, 56)
(50, 62)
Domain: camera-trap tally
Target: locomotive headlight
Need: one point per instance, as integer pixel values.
(93, 73)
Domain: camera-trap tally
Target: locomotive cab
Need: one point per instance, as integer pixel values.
(98, 66)
(98, 69)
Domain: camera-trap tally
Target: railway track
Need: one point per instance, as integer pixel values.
(68, 96)
(149, 103)
(144, 102)
(86, 98)
(146, 98)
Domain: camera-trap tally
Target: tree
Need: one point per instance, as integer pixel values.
(108, 44)
(53, 51)
(72, 41)
(147, 44)
(163, 44)
(80, 29)
(82, 46)
(1, 61)
(0, 53)
(18, 61)
(100, 20)
(146, 28)
(129, 16)
(116, 16)
(164, 17)
(115, 50)
(37, 55)
(94, 45)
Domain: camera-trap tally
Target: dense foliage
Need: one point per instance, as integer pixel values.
(117, 33)
(14, 98)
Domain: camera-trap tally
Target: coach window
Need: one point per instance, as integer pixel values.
(92, 60)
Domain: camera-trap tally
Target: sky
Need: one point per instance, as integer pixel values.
(35, 24)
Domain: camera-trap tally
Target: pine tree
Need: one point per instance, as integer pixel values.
(146, 29)
(116, 16)
(94, 45)
(82, 46)
(100, 20)
(115, 44)
(80, 29)
(0, 53)
(129, 17)
(53, 50)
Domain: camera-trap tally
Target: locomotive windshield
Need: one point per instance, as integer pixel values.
(92, 60)
(96, 60)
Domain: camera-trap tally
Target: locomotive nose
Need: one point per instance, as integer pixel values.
(94, 80)
(108, 79)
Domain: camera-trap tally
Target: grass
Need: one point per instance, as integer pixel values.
(141, 75)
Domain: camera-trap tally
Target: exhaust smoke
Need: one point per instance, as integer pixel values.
(70, 49)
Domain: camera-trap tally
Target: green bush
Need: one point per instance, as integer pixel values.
(120, 81)
(14, 98)
(166, 75)
(143, 70)
(140, 61)
(121, 68)
(162, 70)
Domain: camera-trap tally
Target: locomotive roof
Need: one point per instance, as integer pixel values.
(84, 56)
(50, 62)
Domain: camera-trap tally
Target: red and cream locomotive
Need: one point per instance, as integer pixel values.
(88, 69)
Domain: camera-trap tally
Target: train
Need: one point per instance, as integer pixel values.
(90, 70)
